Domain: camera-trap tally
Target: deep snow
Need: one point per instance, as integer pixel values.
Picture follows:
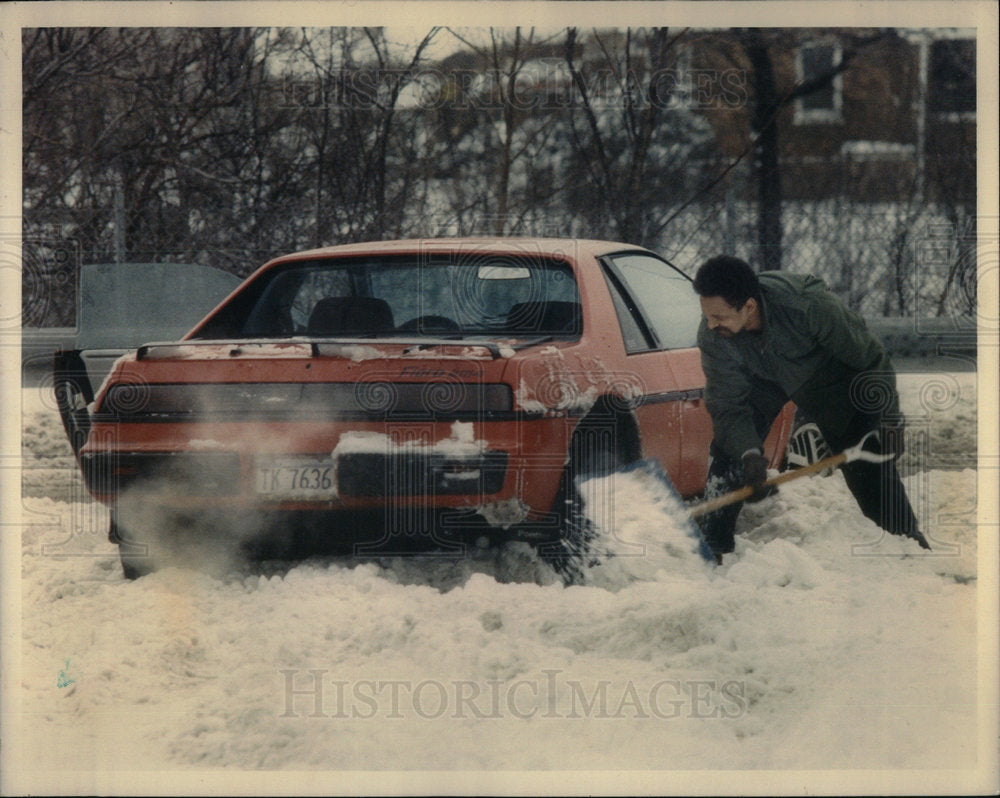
(820, 645)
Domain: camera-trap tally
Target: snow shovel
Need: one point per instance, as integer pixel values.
(849, 454)
(684, 515)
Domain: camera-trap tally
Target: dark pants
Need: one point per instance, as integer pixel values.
(876, 486)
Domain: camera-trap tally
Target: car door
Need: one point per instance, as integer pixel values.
(675, 426)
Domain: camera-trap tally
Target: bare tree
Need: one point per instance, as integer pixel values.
(174, 128)
(496, 126)
(636, 147)
(350, 82)
(767, 100)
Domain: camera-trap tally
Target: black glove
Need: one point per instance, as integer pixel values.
(754, 476)
(893, 439)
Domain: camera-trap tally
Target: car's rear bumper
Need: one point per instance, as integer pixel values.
(316, 468)
(353, 476)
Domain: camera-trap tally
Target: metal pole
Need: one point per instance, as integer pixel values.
(118, 225)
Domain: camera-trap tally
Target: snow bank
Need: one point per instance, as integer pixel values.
(820, 644)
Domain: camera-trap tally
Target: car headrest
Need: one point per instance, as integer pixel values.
(544, 317)
(347, 315)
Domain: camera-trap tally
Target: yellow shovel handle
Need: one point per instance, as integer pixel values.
(746, 492)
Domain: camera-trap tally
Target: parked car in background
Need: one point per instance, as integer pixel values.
(377, 396)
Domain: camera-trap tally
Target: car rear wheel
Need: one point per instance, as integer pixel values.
(602, 444)
(135, 556)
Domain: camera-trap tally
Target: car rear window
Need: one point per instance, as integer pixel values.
(438, 295)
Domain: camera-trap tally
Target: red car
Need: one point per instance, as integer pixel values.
(398, 393)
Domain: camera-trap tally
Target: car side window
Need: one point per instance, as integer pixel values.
(663, 296)
(633, 337)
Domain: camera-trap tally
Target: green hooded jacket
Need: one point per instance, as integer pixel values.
(811, 349)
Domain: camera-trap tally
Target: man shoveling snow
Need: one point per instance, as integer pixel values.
(778, 337)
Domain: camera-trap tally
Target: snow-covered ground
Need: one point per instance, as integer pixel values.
(821, 645)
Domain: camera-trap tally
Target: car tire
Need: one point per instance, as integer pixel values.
(134, 556)
(133, 567)
(596, 450)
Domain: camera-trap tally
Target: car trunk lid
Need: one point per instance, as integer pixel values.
(297, 379)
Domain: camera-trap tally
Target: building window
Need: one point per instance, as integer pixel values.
(952, 78)
(812, 61)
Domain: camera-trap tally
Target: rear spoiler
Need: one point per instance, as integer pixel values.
(320, 347)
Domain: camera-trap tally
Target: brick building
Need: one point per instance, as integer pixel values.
(898, 122)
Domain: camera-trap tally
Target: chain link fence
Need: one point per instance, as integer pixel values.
(883, 260)
(239, 157)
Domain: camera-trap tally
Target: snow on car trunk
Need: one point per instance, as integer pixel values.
(821, 644)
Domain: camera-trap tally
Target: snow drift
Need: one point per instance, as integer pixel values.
(820, 644)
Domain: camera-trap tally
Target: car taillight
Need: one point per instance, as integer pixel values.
(140, 399)
(385, 398)
(362, 399)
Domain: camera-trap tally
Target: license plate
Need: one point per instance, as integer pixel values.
(300, 478)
